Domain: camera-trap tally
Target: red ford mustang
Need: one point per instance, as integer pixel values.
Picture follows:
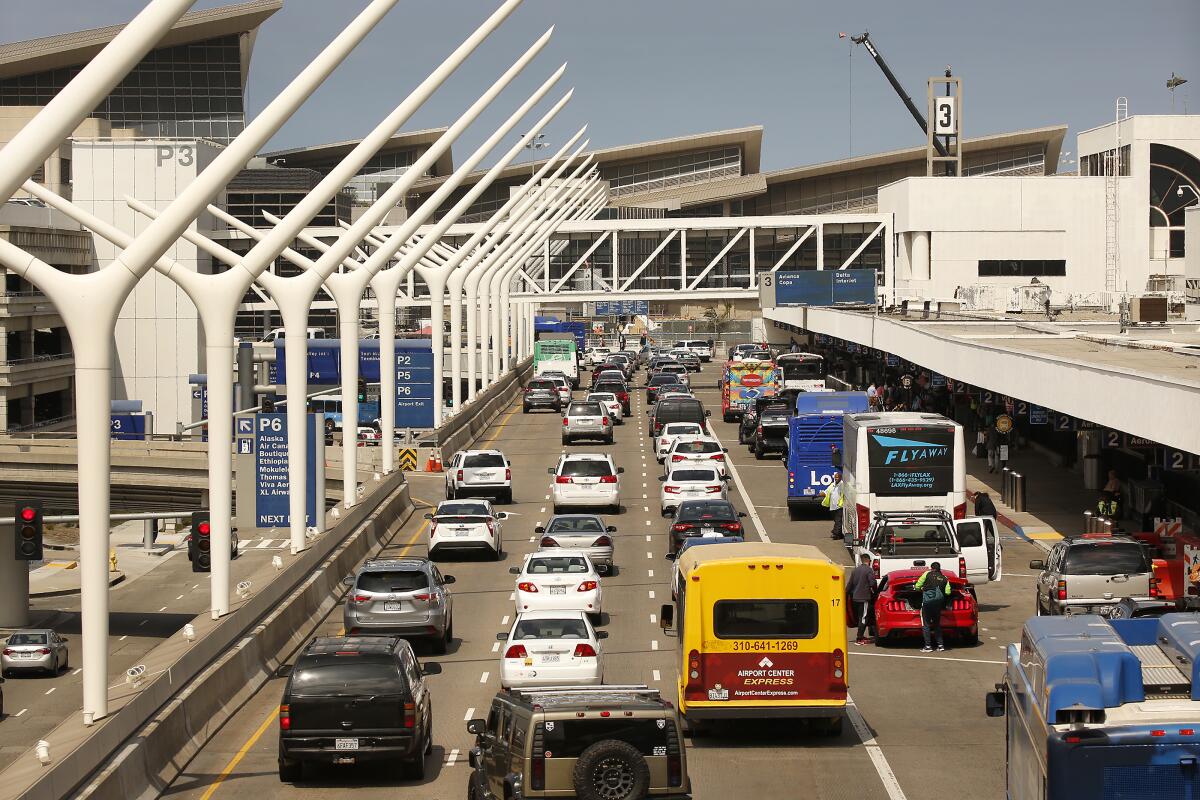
(898, 608)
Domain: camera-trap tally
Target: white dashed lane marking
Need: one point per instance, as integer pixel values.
(483, 678)
(470, 713)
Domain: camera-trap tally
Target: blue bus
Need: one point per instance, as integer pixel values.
(1103, 709)
(330, 407)
(815, 444)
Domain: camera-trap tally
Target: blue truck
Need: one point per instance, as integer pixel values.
(1101, 708)
(815, 445)
(555, 325)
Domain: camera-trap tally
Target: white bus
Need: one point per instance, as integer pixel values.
(803, 371)
(901, 461)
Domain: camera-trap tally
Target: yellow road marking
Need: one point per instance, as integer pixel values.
(500, 427)
(237, 759)
(1044, 535)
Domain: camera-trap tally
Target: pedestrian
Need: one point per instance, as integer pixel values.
(993, 448)
(1107, 506)
(795, 346)
(642, 340)
(862, 588)
(1112, 487)
(831, 498)
(935, 591)
(984, 507)
(710, 344)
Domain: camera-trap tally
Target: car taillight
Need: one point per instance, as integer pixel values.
(564, 420)
(674, 769)
(608, 478)
(362, 598)
(563, 479)
(525, 586)
(460, 475)
(1062, 590)
(584, 650)
(838, 671)
(587, 586)
(864, 518)
(516, 651)
(960, 511)
(410, 715)
(678, 458)
(672, 489)
(424, 597)
(603, 541)
(680, 527)
(759, 430)
(712, 489)
(718, 457)
(508, 474)
(285, 718)
(537, 764)
(1154, 590)
(547, 541)
(875, 568)
(604, 420)
(491, 528)
(731, 526)
(962, 567)
(8, 651)
(694, 688)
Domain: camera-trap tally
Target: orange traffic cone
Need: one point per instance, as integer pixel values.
(434, 464)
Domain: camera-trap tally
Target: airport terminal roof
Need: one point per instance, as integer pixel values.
(319, 155)
(75, 49)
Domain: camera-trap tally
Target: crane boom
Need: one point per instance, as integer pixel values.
(865, 41)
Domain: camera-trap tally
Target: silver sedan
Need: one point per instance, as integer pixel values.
(35, 649)
(584, 532)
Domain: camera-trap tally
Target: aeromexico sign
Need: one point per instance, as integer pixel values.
(913, 459)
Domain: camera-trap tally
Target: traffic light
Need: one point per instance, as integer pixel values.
(362, 390)
(29, 530)
(200, 543)
(268, 404)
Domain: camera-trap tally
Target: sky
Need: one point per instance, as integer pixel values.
(650, 69)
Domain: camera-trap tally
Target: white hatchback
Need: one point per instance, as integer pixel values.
(691, 480)
(551, 648)
(696, 448)
(662, 442)
(466, 525)
(586, 480)
(558, 580)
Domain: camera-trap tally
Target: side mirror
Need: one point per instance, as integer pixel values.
(620, 470)
(431, 668)
(477, 726)
(514, 570)
(601, 634)
(540, 529)
(724, 449)
(662, 478)
(1037, 564)
(611, 529)
(707, 413)
(283, 671)
(346, 581)
(429, 516)
(995, 703)
(666, 616)
(669, 556)
(741, 514)
(501, 637)
(550, 470)
(502, 515)
(447, 579)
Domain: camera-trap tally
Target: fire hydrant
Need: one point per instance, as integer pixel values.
(112, 560)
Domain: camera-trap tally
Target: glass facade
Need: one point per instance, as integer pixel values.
(1026, 268)
(650, 175)
(1101, 163)
(190, 90)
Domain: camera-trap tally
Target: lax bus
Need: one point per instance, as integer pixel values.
(815, 447)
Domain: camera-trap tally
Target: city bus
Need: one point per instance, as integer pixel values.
(743, 383)
(900, 461)
(330, 408)
(814, 450)
(557, 354)
(761, 633)
(802, 371)
(1102, 708)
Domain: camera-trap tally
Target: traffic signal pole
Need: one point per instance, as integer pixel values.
(14, 582)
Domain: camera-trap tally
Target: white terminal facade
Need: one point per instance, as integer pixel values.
(692, 213)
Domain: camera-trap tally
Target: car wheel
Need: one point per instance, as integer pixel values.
(290, 771)
(608, 439)
(524, 409)
(611, 770)
(414, 768)
(557, 509)
(449, 492)
(758, 453)
(727, 418)
(506, 498)
(66, 659)
(971, 639)
(54, 669)
(615, 508)
(441, 643)
(698, 728)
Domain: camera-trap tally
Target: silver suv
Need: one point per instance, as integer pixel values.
(1095, 574)
(587, 420)
(403, 596)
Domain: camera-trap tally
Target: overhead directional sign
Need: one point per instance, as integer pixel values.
(621, 308)
(414, 388)
(272, 488)
(828, 287)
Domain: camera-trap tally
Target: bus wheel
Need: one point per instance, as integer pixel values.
(698, 728)
(793, 513)
(832, 727)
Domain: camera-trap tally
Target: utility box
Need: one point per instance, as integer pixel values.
(1148, 309)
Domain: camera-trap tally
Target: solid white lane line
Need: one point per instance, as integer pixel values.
(452, 757)
(928, 658)
(483, 678)
(657, 676)
(76, 672)
(737, 479)
(470, 713)
(123, 638)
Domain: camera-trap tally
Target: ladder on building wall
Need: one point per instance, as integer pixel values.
(1112, 207)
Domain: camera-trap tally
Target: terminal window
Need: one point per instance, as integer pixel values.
(1022, 268)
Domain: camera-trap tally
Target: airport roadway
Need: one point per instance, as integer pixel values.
(918, 721)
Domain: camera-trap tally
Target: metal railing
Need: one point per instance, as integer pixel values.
(41, 359)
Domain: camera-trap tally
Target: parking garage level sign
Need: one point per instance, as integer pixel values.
(271, 484)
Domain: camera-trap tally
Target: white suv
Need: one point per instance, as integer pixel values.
(698, 346)
(479, 472)
(463, 525)
(586, 480)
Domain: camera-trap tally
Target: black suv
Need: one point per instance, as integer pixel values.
(771, 433)
(681, 409)
(355, 699)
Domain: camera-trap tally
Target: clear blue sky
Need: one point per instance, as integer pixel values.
(647, 69)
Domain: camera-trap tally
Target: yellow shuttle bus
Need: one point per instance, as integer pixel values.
(761, 633)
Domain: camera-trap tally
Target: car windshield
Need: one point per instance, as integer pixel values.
(681, 429)
(612, 386)
(1106, 558)
(689, 512)
(403, 580)
(352, 674)
(575, 525)
(914, 534)
(680, 475)
(27, 638)
(463, 509)
(759, 355)
(676, 369)
(484, 460)
(550, 629)
(556, 565)
(547, 385)
(765, 619)
(698, 448)
(585, 410)
(586, 469)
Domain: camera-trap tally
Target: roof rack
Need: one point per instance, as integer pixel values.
(640, 688)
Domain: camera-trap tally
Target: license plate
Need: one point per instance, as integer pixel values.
(558, 590)
(26, 655)
(461, 531)
(393, 606)
(810, 492)
(718, 694)
(587, 481)
(708, 531)
(550, 659)
(345, 744)
(483, 475)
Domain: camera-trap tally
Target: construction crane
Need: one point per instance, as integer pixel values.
(865, 41)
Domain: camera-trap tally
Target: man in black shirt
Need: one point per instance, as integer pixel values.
(862, 588)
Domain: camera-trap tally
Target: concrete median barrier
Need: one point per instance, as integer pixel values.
(465, 427)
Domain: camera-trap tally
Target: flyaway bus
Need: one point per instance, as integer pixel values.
(901, 461)
(802, 371)
(746, 381)
(815, 444)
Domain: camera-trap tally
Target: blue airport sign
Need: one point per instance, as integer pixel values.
(324, 364)
(128, 427)
(1038, 415)
(822, 287)
(621, 308)
(272, 488)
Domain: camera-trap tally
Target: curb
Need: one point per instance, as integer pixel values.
(1004, 520)
(113, 579)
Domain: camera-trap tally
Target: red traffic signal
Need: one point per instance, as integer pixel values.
(29, 530)
(204, 529)
(28, 513)
(200, 545)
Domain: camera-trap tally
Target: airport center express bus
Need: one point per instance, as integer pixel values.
(1103, 709)
(815, 444)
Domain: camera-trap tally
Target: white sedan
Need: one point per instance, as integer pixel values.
(551, 648)
(691, 480)
(558, 580)
(610, 402)
(662, 443)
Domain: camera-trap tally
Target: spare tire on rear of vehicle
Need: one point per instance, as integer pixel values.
(611, 770)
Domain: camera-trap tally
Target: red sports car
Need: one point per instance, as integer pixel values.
(898, 608)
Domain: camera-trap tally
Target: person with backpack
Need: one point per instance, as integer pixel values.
(935, 593)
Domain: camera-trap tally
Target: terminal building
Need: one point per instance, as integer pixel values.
(1118, 227)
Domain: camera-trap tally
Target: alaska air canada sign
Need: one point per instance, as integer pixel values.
(917, 459)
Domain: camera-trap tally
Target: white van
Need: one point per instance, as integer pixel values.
(900, 461)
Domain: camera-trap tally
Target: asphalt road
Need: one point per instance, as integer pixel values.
(919, 720)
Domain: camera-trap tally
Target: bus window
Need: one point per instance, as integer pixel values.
(765, 619)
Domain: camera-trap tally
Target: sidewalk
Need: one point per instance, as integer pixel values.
(1055, 497)
(60, 574)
